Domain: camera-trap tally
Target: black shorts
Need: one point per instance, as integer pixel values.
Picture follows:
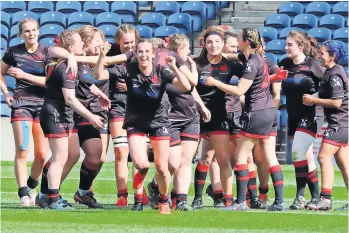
(162, 133)
(80, 121)
(258, 124)
(117, 111)
(304, 124)
(218, 126)
(234, 123)
(337, 136)
(86, 132)
(184, 131)
(25, 110)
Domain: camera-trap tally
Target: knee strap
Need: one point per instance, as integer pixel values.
(25, 135)
(120, 141)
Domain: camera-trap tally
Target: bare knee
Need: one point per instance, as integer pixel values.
(223, 161)
(142, 167)
(21, 154)
(162, 169)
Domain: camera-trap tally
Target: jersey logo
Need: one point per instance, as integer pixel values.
(303, 68)
(163, 130)
(155, 79)
(19, 65)
(224, 68)
(168, 72)
(335, 82)
(248, 67)
(70, 76)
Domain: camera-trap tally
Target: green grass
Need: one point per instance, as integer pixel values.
(16, 219)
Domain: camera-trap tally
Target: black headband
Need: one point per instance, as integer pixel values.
(210, 33)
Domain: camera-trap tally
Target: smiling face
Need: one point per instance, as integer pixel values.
(92, 47)
(241, 43)
(145, 54)
(292, 48)
(127, 42)
(325, 58)
(231, 45)
(30, 32)
(214, 45)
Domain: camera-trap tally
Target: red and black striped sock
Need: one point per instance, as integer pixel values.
(44, 182)
(163, 199)
(228, 199)
(326, 193)
(278, 182)
(88, 173)
(53, 195)
(241, 173)
(252, 185)
(181, 197)
(313, 184)
(138, 198)
(200, 178)
(218, 194)
(301, 170)
(123, 193)
(263, 189)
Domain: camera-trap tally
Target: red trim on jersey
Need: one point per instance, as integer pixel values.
(136, 134)
(219, 133)
(196, 136)
(273, 134)
(307, 131)
(21, 119)
(234, 136)
(159, 138)
(55, 135)
(84, 123)
(36, 121)
(334, 143)
(250, 135)
(175, 142)
(116, 119)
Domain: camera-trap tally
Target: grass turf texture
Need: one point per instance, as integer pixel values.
(82, 219)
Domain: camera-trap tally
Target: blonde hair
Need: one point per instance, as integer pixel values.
(310, 45)
(123, 29)
(88, 32)
(178, 41)
(159, 43)
(24, 21)
(66, 39)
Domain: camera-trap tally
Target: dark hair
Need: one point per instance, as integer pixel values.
(228, 34)
(214, 30)
(253, 36)
(338, 50)
(145, 40)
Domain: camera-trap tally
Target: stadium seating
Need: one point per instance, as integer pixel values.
(96, 7)
(3, 98)
(165, 31)
(305, 21)
(20, 15)
(283, 117)
(5, 110)
(4, 32)
(224, 4)
(341, 34)
(153, 20)
(197, 10)
(320, 34)
(276, 47)
(50, 31)
(318, 8)
(291, 9)
(2, 52)
(212, 9)
(10, 82)
(80, 18)
(47, 42)
(5, 19)
(167, 8)
(108, 18)
(341, 8)
(278, 21)
(332, 21)
(127, 11)
(14, 32)
(271, 57)
(53, 17)
(268, 33)
(16, 41)
(108, 30)
(68, 7)
(3, 44)
(182, 21)
(40, 7)
(144, 31)
(144, 3)
(284, 32)
(280, 57)
(12, 6)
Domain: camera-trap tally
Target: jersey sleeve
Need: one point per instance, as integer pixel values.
(118, 71)
(272, 67)
(129, 56)
(250, 70)
(167, 74)
(86, 77)
(8, 57)
(67, 79)
(317, 70)
(336, 87)
(179, 61)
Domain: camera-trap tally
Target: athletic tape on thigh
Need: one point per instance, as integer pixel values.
(301, 143)
(120, 141)
(25, 135)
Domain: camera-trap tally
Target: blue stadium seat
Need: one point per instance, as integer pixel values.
(3, 98)
(16, 41)
(50, 31)
(47, 42)
(2, 52)
(305, 21)
(341, 34)
(341, 8)
(144, 31)
(224, 4)
(14, 32)
(291, 9)
(167, 8)
(278, 21)
(332, 21)
(5, 110)
(5, 19)
(153, 20)
(110, 40)
(182, 21)
(165, 31)
(68, 7)
(212, 9)
(197, 10)
(318, 8)
(320, 34)
(108, 18)
(284, 32)
(144, 3)
(76, 26)
(20, 15)
(3, 44)
(283, 117)
(4, 32)
(127, 11)
(53, 17)
(271, 57)
(108, 30)
(80, 18)
(96, 7)
(40, 7)
(280, 57)
(13, 6)
(268, 33)
(276, 47)
(10, 82)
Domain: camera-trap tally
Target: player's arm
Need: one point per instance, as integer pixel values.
(4, 69)
(180, 80)
(21, 75)
(276, 90)
(100, 72)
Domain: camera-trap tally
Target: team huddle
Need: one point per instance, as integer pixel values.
(150, 92)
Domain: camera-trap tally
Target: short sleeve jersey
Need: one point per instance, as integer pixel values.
(335, 86)
(233, 103)
(303, 78)
(32, 63)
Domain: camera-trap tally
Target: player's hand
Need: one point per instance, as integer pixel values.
(72, 65)
(121, 87)
(281, 74)
(308, 100)
(97, 121)
(104, 49)
(104, 101)
(210, 81)
(171, 61)
(205, 114)
(16, 73)
(8, 98)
